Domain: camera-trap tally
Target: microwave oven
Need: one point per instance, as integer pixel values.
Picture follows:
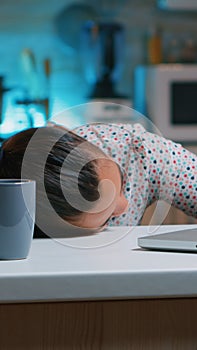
(167, 95)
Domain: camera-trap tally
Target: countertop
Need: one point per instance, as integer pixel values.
(108, 265)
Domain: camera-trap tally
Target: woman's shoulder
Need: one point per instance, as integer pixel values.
(108, 128)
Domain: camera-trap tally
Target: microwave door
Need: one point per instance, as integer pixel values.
(183, 104)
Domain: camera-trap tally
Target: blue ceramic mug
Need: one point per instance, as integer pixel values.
(17, 217)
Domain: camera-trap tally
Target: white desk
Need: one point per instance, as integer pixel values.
(104, 266)
(99, 292)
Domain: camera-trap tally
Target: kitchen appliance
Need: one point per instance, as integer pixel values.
(167, 94)
(187, 5)
(102, 52)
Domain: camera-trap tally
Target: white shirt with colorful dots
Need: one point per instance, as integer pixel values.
(154, 168)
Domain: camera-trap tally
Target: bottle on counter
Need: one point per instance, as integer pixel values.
(155, 46)
(189, 52)
(173, 52)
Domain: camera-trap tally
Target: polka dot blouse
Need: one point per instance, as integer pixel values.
(154, 168)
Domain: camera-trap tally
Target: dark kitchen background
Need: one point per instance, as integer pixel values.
(45, 62)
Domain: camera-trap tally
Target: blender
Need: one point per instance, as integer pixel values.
(102, 52)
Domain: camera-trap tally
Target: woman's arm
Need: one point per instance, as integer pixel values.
(172, 173)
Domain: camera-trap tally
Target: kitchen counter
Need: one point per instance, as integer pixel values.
(108, 265)
(98, 293)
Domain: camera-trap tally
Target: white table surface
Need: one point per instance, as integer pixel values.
(108, 265)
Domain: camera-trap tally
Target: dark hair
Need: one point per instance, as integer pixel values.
(63, 143)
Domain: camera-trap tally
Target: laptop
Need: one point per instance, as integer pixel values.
(184, 240)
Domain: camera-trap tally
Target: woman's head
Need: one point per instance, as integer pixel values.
(68, 169)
